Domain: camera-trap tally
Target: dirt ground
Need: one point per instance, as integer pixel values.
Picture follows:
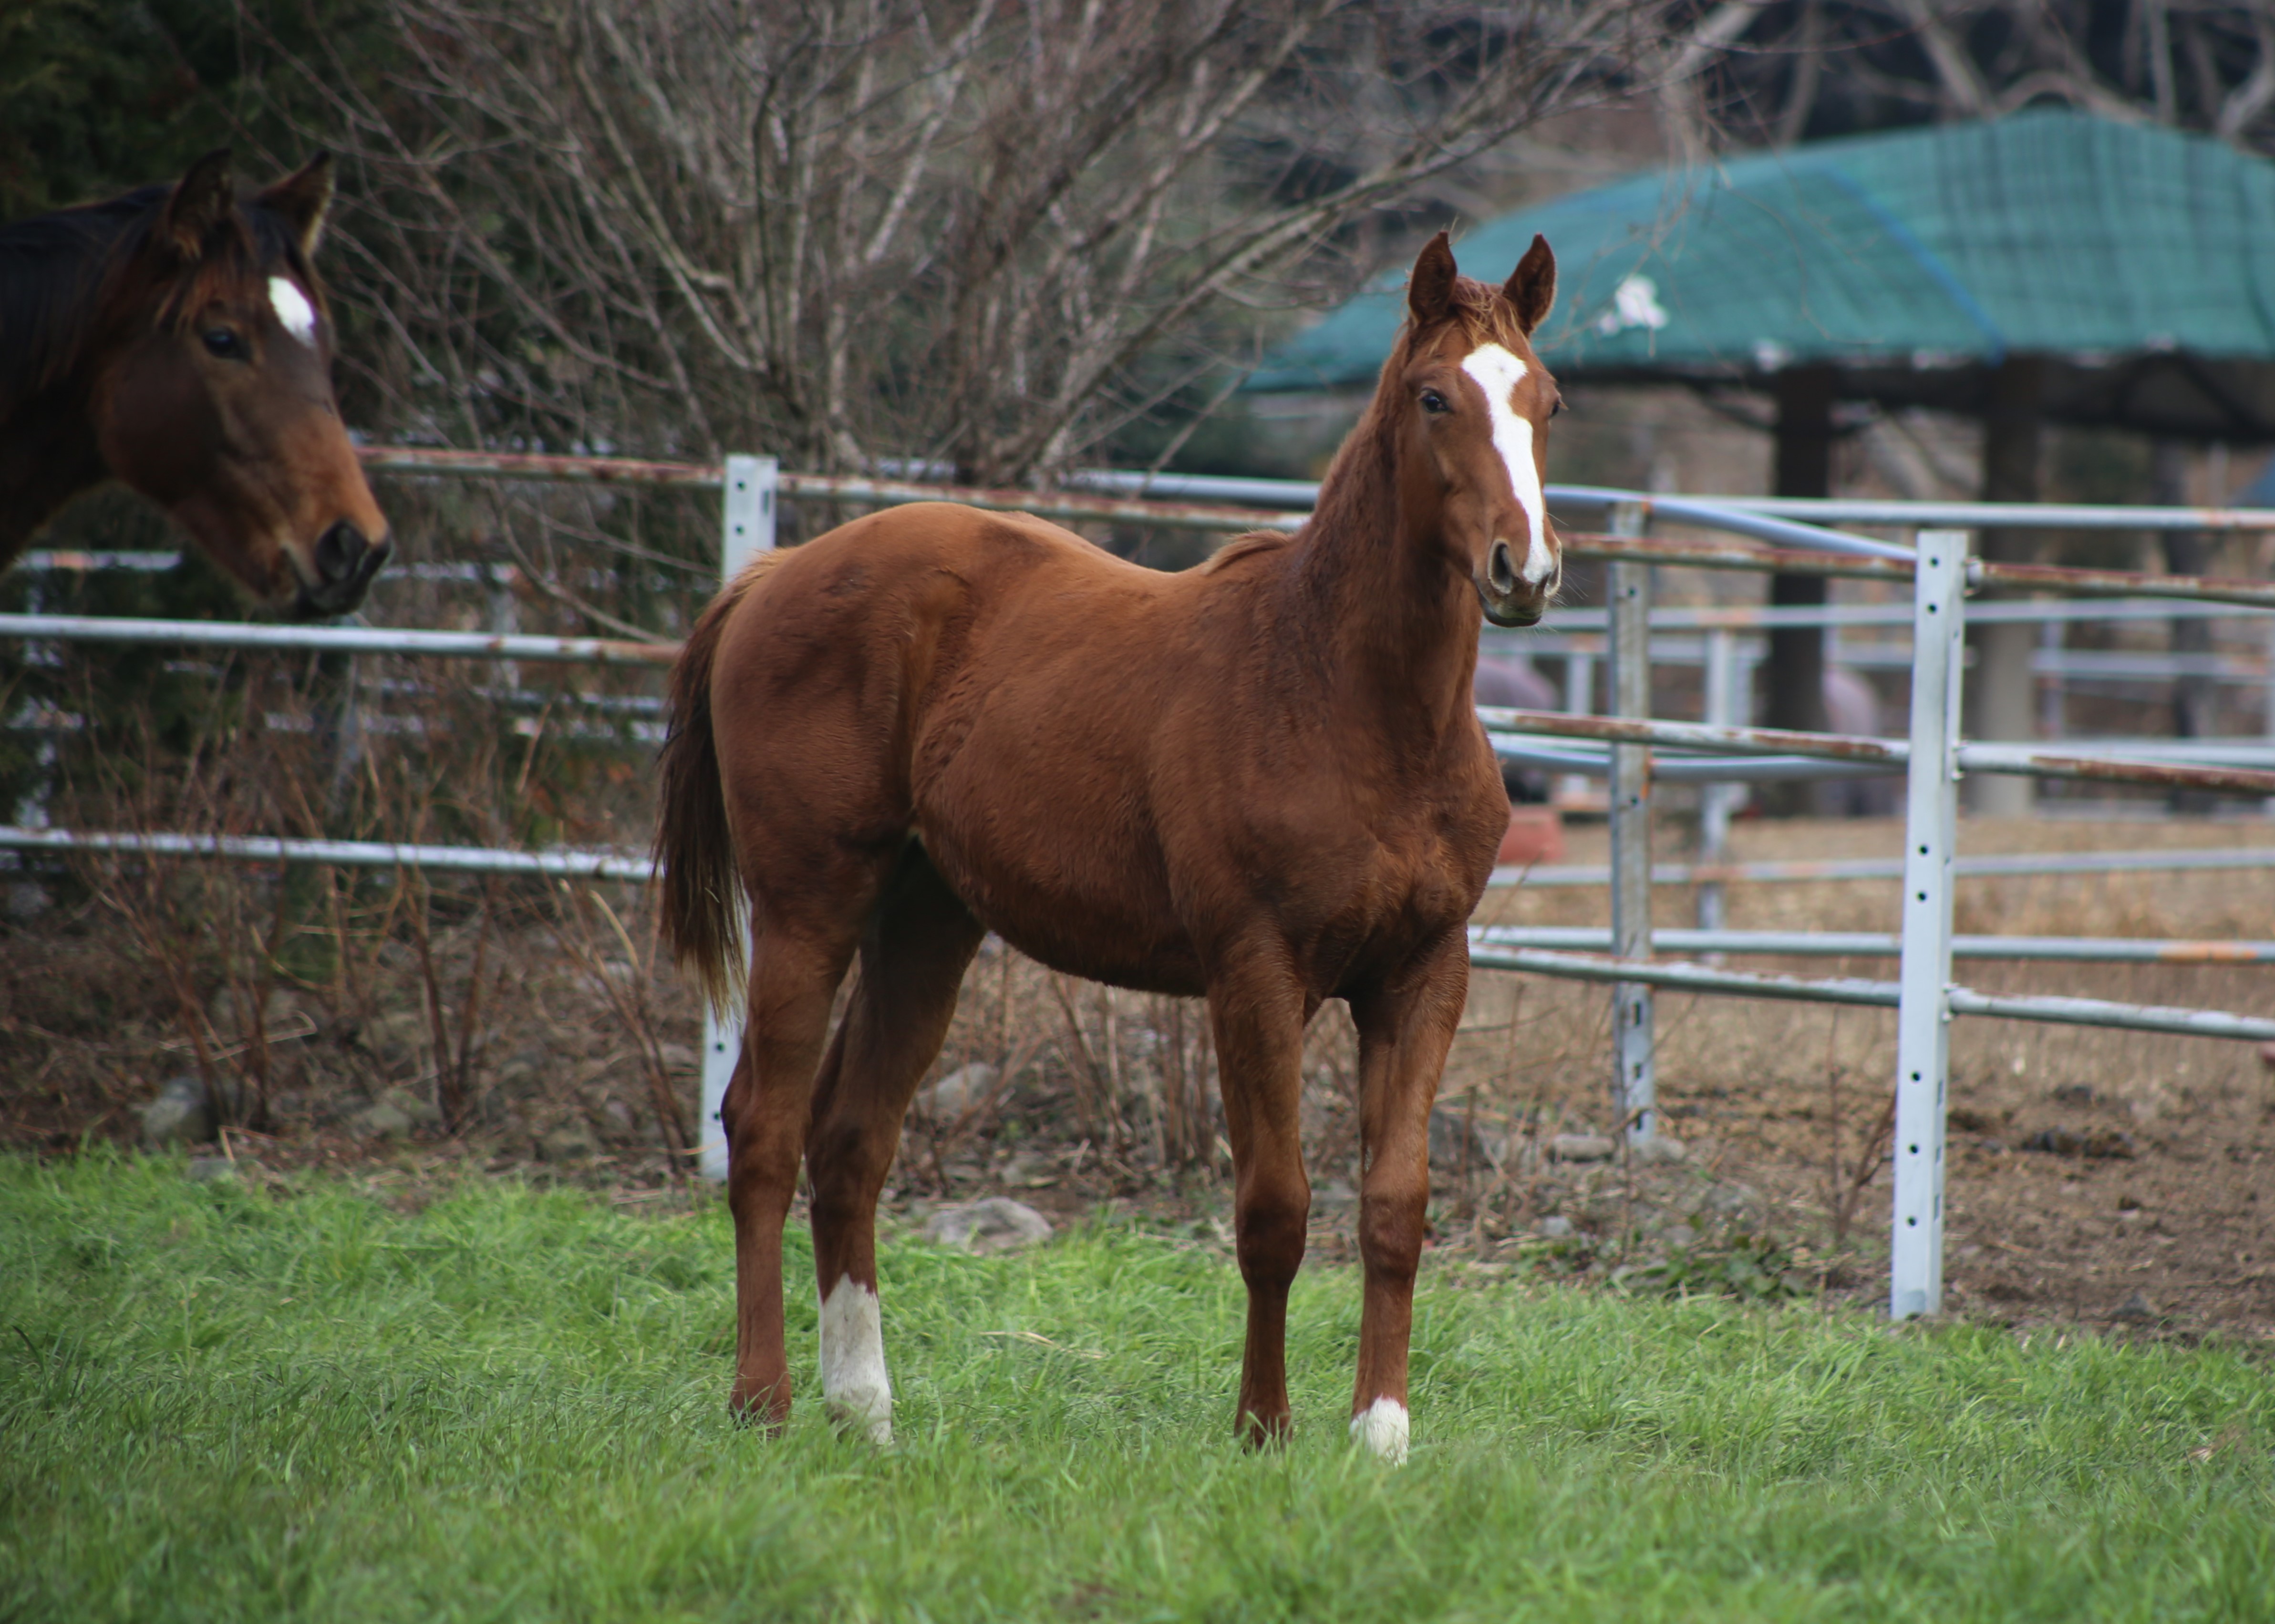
(2097, 1176)
(2118, 1180)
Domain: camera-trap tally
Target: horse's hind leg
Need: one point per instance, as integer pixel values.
(913, 955)
(794, 978)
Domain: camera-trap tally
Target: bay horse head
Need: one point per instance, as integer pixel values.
(179, 342)
(1476, 402)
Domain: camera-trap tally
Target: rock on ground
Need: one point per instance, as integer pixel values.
(180, 1113)
(395, 1114)
(1452, 1132)
(958, 1091)
(2100, 1143)
(573, 1141)
(997, 1224)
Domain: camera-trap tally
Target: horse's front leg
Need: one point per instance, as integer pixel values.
(1405, 1027)
(1257, 1011)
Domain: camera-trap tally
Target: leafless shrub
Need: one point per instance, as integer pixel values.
(623, 984)
(845, 230)
(1787, 69)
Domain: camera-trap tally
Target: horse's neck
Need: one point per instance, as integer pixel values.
(1393, 629)
(48, 451)
(47, 455)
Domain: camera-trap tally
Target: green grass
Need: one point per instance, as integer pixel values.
(220, 1403)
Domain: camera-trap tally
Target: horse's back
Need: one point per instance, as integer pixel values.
(891, 609)
(998, 687)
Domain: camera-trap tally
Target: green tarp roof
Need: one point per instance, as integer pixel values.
(1922, 250)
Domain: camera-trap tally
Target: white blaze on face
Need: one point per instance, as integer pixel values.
(1498, 373)
(855, 1388)
(1382, 1427)
(294, 313)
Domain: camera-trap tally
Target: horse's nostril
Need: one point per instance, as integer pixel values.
(1501, 569)
(338, 550)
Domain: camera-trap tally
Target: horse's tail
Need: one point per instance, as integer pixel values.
(701, 916)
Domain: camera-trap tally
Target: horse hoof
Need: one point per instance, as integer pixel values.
(1382, 1428)
(1259, 1432)
(863, 1414)
(761, 1412)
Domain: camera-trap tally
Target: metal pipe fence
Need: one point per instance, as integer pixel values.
(1883, 944)
(561, 862)
(337, 640)
(1637, 746)
(1833, 870)
(1925, 1131)
(1878, 755)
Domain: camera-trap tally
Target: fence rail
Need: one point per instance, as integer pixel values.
(1831, 871)
(1875, 754)
(337, 640)
(1690, 978)
(570, 862)
(1885, 944)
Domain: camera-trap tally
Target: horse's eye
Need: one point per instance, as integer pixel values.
(1557, 411)
(225, 342)
(1433, 403)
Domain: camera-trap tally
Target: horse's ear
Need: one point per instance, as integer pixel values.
(201, 200)
(1531, 287)
(303, 199)
(1430, 289)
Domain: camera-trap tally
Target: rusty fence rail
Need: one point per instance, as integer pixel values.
(1837, 870)
(1682, 976)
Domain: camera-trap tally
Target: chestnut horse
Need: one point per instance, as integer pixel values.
(176, 339)
(1261, 780)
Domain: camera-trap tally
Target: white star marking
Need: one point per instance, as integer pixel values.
(294, 312)
(1498, 373)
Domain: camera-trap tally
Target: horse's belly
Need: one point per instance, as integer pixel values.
(1068, 890)
(1069, 922)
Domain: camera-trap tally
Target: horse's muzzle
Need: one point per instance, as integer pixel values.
(1510, 600)
(345, 562)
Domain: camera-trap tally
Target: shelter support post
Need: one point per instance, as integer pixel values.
(1633, 1087)
(746, 530)
(1924, 1007)
(2002, 699)
(1580, 700)
(1794, 696)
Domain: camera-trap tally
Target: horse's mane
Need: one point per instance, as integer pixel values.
(60, 272)
(1246, 545)
(1486, 318)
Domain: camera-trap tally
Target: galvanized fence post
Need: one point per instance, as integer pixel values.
(747, 529)
(1633, 1087)
(1924, 1009)
(1718, 802)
